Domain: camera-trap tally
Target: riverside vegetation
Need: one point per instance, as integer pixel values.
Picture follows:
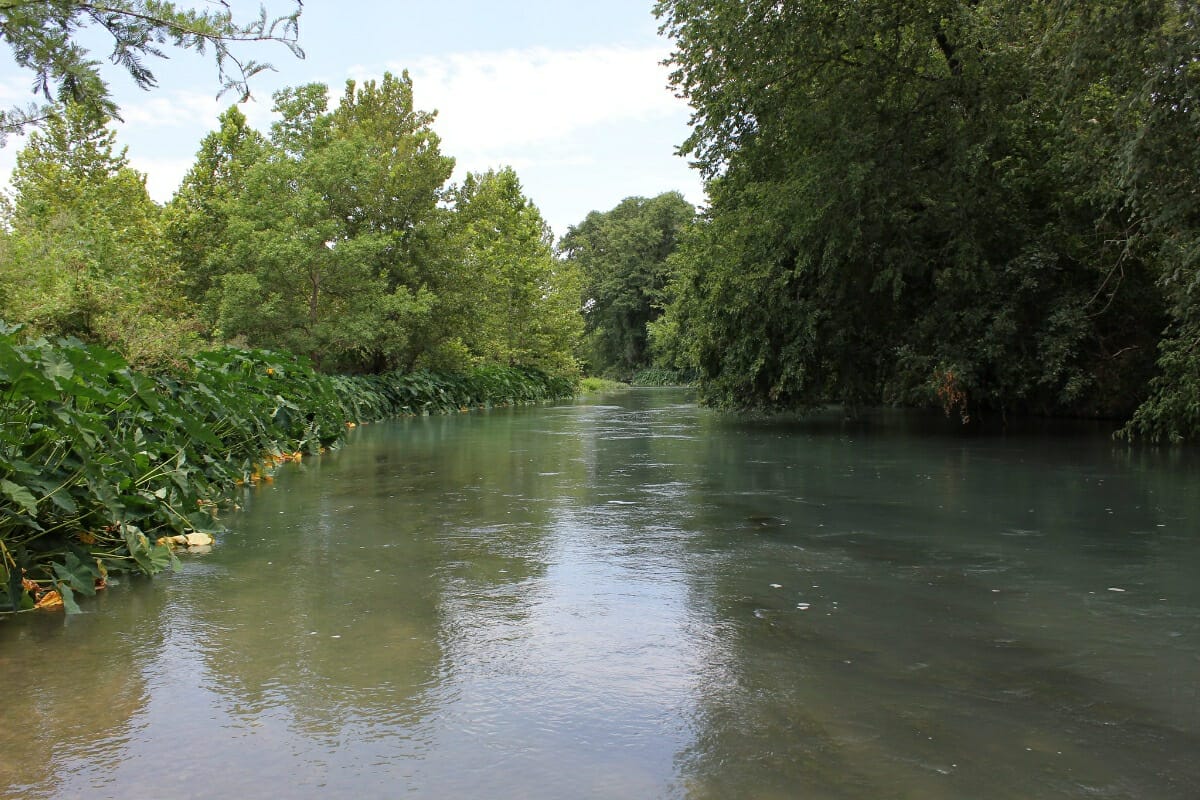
(986, 208)
(102, 463)
(151, 370)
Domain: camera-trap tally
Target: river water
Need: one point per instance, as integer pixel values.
(632, 597)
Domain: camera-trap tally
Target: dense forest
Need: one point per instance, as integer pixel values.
(990, 207)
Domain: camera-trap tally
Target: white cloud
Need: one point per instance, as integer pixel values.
(13, 91)
(584, 128)
(499, 106)
(175, 109)
(189, 109)
(163, 175)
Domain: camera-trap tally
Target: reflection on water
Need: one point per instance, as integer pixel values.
(643, 599)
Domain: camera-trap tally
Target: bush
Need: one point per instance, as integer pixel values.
(659, 376)
(597, 385)
(99, 461)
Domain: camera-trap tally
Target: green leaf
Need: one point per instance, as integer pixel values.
(79, 574)
(68, 598)
(19, 495)
(161, 557)
(63, 500)
(57, 367)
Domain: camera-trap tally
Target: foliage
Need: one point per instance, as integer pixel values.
(906, 205)
(1172, 412)
(98, 461)
(83, 254)
(623, 255)
(337, 237)
(422, 393)
(661, 376)
(313, 254)
(593, 385)
(512, 301)
(1158, 154)
(45, 39)
(196, 221)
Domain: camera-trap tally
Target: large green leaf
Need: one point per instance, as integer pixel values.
(68, 598)
(79, 573)
(57, 367)
(19, 495)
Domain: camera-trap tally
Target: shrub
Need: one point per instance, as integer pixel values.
(99, 461)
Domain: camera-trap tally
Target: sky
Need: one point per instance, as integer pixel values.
(572, 95)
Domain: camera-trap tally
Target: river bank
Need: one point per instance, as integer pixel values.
(99, 462)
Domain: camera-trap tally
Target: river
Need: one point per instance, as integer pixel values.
(633, 597)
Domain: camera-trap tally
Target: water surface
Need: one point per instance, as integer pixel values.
(633, 597)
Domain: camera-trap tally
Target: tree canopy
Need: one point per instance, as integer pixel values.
(975, 205)
(83, 253)
(623, 257)
(45, 39)
(337, 236)
(315, 251)
(520, 305)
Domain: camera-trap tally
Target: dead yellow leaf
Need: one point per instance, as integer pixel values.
(50, 601)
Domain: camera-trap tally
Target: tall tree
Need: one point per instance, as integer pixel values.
(84, 254)
(623, 255)
(516, 304)
(196, 219)
(1146, 57)
(900, 212)
(45, 39)
(316, 256)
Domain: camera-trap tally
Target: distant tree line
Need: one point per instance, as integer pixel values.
(623, 258)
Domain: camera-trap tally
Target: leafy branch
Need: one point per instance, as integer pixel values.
(42, 36)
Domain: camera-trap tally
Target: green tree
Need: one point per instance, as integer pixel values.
(513, 302)
(623, 255)
(45, 38)
(196, 219)
(1146, 57)
(317, 256)
(337, 237)
(84, 254)
(902, 210)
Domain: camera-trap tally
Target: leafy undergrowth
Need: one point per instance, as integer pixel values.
(660, 376)
(594, 385)
(100, 464)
